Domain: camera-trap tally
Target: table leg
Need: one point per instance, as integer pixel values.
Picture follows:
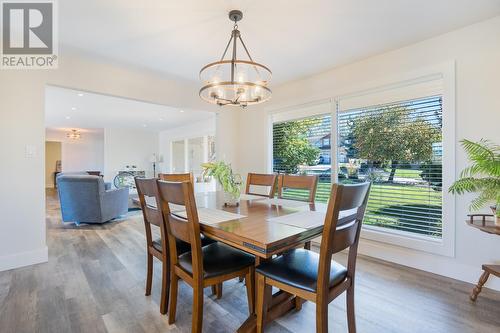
(477, 289)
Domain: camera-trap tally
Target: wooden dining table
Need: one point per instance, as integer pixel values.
(254, 234)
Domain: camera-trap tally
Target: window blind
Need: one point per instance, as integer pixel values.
(399, 149)
(303, 146)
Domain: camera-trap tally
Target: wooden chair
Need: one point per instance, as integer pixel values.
(202, 266)
(316, 277)
(157, 248)
(258, 179)
(305, 182)
(177, 177)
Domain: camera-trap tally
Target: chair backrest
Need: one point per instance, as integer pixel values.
(259, 179)
(80, 196)
(186, 228)
(177, 177)
(351, 199)
(301, 182)
(147, 188)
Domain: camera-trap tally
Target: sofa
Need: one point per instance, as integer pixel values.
(86, 199)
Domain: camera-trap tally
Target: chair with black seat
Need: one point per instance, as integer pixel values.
(298, 182)
(147, 191)
(315, 277)
(177, 177)
(262, 180)
(202, 266)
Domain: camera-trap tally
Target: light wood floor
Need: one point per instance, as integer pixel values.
(94, 282)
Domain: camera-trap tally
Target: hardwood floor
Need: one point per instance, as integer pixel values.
(95, 281)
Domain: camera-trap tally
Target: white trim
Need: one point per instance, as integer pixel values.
(22, 259)
(428, 262)
(444, 71)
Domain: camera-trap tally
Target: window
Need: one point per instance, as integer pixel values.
(302, 146)
(398, 146)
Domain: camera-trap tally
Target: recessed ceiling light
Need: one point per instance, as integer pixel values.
(73, 108)
(68, 117)
(144, 125)
(161, 119)
(80, 94)
(182, 111)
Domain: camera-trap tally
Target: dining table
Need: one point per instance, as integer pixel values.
(259, 229)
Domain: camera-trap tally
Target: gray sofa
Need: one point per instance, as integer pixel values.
(85, 199)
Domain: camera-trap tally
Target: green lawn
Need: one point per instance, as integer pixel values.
(415, 208)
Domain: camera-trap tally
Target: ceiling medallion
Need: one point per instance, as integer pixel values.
(235, 81)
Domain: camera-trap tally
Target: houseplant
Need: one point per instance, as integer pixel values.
(230, 182)
(482, 177)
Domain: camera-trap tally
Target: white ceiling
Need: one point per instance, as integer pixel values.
(294, 38)
(65, 108)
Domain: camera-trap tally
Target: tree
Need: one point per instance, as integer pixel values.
(394, 135)
(291, 147)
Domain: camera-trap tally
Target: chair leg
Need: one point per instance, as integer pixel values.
(322, 317)
(172, 308)
(149, 274)
(351, 318)
(250, 284)
(165, 286)
(197, 309)
(263, 296)
(477, 289)
(218, 290)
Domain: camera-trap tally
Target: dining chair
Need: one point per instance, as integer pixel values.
(177, 177)
(147, 191)
(188, 177)
(202, 266)
(299, 182)
(259, 179)
(315, 277)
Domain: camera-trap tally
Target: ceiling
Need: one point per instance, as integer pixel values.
(67, 108)
(294, 38)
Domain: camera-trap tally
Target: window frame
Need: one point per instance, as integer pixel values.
(444, 71)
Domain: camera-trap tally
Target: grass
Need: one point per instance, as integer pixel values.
(405, 207)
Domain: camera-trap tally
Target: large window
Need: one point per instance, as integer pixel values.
(397, 146)
(302, 146)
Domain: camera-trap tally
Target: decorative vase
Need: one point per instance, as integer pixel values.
(231, 200)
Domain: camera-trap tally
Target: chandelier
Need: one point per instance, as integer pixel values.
(74, 134)
(235, 81)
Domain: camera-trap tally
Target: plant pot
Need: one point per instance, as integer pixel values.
(231, 200)
(496, 218)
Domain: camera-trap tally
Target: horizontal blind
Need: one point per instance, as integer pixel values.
(406, 194)
(303, 146)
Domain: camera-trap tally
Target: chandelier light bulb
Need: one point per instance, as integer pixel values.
(235, 81)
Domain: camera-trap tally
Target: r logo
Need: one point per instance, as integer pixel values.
(27, 28)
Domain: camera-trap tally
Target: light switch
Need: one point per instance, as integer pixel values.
(30, 151)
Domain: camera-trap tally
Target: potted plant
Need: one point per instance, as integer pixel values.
(482, 177)
(230, 182)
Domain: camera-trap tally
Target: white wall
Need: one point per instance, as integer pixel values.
(84, 154)
(22, 138)
(476, 50)
(193, 130)
(124, 147)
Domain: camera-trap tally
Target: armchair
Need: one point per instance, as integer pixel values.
(85, 199)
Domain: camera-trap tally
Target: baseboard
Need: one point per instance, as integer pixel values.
(424, 261)
(22, 259)
(436, 264)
